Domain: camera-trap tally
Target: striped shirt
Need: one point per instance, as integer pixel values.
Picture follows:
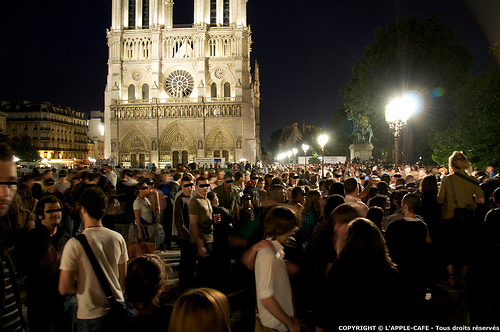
(10, 320)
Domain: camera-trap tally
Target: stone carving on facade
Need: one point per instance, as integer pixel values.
(238, 144)
(362, 132)
(219, 73)
(200, 144)
(178, 111)
(176, 137)
(154, 145)
(136, 75)
(230, 66)
(148, 68)
(113, 146)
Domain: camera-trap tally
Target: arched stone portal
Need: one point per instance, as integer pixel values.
(135, 148)
(177, 144)
(220, 142)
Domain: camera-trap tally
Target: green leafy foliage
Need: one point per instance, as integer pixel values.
(414, 53)
(475, 128)
(23, 148)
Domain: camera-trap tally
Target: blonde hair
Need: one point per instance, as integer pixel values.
(458, 161)
(200, 310)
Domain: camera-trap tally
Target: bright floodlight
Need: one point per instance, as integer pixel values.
(305, 147)
(400, 109)
(322, 139)
(289, 153)
(294, 151)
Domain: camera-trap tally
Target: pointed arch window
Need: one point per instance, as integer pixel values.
(227, 90)
(225, 154)
(131, 92)
(213, 90)
(213, 12)
(226, 13)
(212, 47)
(145, 91)
(145, 14)
(131, 13)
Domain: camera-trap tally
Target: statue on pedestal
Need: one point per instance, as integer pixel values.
(362, 132)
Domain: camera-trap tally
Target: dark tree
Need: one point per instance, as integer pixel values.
(475, 128)
(415, 53)
(24, 149)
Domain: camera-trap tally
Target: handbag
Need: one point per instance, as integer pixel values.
(119, 312)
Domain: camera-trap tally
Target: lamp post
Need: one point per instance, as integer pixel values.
(305, 147)
(289, 154)
(322, 139)
(294, 151)
(397, 113)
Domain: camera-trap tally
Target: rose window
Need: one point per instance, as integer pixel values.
(179, 84)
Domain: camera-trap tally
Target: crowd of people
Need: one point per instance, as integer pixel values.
(362, 244)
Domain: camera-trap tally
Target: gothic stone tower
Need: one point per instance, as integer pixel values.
(178, 92)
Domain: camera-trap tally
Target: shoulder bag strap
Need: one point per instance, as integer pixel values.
(95, 264)
(466, 178)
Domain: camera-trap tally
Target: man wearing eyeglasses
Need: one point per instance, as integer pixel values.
(187, 264)
(41, 252)
(10, 302)
(202, 229)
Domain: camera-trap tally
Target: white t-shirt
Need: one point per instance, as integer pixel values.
(110, 250)
(144, 205)
(271, 279)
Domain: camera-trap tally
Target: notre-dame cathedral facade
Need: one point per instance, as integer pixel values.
(174, 93)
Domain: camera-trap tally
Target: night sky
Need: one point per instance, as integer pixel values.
(56, 50)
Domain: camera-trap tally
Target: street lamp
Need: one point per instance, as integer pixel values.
(322, 139)
(294, 151)
(397, 113)
(305, 147)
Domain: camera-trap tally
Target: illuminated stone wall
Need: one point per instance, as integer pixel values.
(175, 93)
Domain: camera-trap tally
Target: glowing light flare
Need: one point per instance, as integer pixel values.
(305, 147)
(294, 151)
(438, 92)
(322, 140)
(289, 153)
(400, 109)
(101, 127)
